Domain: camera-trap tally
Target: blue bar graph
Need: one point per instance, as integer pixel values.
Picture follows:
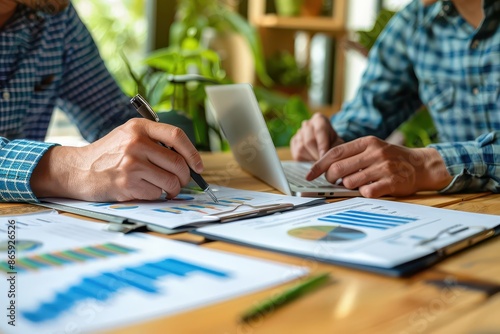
(367, 219)
(104, 285)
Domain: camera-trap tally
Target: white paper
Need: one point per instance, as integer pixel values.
(359, 231)
(188, 209)
(65, 298)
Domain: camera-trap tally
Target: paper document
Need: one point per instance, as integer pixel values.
(193, 208)
(365, 232)
(69, 275)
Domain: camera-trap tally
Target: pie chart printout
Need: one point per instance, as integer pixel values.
(326, 233)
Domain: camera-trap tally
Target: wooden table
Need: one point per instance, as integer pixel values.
(355, 301)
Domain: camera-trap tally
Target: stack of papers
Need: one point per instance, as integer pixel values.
(70, 275)
(188, 209)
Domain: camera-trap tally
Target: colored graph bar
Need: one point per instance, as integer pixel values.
(367, 219)
(168, 210)
(181, 208)
(233, 200)
(67, 257)
(105, 285)
(6, 268)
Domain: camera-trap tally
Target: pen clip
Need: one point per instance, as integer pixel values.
(126, 227)
(144, 108)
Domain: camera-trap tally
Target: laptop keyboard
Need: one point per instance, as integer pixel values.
(296, 175)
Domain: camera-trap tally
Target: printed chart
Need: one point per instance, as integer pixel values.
(66, 257)
(112, 279)
(326, 233)
(193, 209)
(367, 219)
(105, 285)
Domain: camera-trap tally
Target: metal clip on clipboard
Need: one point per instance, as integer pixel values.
(260, 210)
(126, 227)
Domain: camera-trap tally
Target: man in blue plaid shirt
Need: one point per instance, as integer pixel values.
(48, 59)
(445, 55)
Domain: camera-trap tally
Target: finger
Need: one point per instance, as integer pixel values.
(145, 190)
(298, 149)
(387, 184)
(335, 154)
(169, 161)
(376, 189)
(163, 180)
(324, 133)
(139, 178)
(175, 138)
(309, 140)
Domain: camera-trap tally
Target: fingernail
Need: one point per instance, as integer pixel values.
(199, 167)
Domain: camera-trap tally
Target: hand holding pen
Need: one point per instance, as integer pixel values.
(146, 111)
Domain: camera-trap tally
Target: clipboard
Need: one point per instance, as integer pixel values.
(185, 212)
(425, 237)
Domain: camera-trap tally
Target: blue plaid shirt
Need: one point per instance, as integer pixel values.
(432, 56)
(48, 61)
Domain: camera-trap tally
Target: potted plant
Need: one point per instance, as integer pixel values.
(175, 93)
(202, 15)
(176, 76)
(288, 7)
(287, 75)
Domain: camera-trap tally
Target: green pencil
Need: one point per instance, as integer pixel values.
(286, 296)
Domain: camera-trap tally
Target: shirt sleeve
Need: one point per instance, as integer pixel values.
(88, 93)
(18, 159)
(474, 165)
(388, 92)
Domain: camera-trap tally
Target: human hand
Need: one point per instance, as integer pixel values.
(127, 164)
(313, 139)
(378, 168)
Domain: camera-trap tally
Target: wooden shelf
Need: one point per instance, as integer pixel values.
(327, 110)
(278, 33)
(320, 24)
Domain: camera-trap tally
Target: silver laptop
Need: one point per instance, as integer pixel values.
(240, 118)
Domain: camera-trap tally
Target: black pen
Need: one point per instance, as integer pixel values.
(143, 107)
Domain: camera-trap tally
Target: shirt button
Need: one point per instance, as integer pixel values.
(474, 44)
(6, 96)
(475, 90)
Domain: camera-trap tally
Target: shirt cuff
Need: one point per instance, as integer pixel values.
(465, 161)
(18, 160)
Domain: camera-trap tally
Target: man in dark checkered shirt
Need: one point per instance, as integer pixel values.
(445, 55)
(48, 59)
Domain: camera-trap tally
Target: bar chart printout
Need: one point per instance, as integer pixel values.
(368, 219)
(93, 287)
(104, 286)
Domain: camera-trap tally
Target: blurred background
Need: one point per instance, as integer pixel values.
(301, 56)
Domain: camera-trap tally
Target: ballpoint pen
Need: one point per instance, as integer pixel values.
(142, 106)
(286, 296)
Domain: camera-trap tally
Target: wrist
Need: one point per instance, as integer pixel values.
(51, 176)
(432, 172)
